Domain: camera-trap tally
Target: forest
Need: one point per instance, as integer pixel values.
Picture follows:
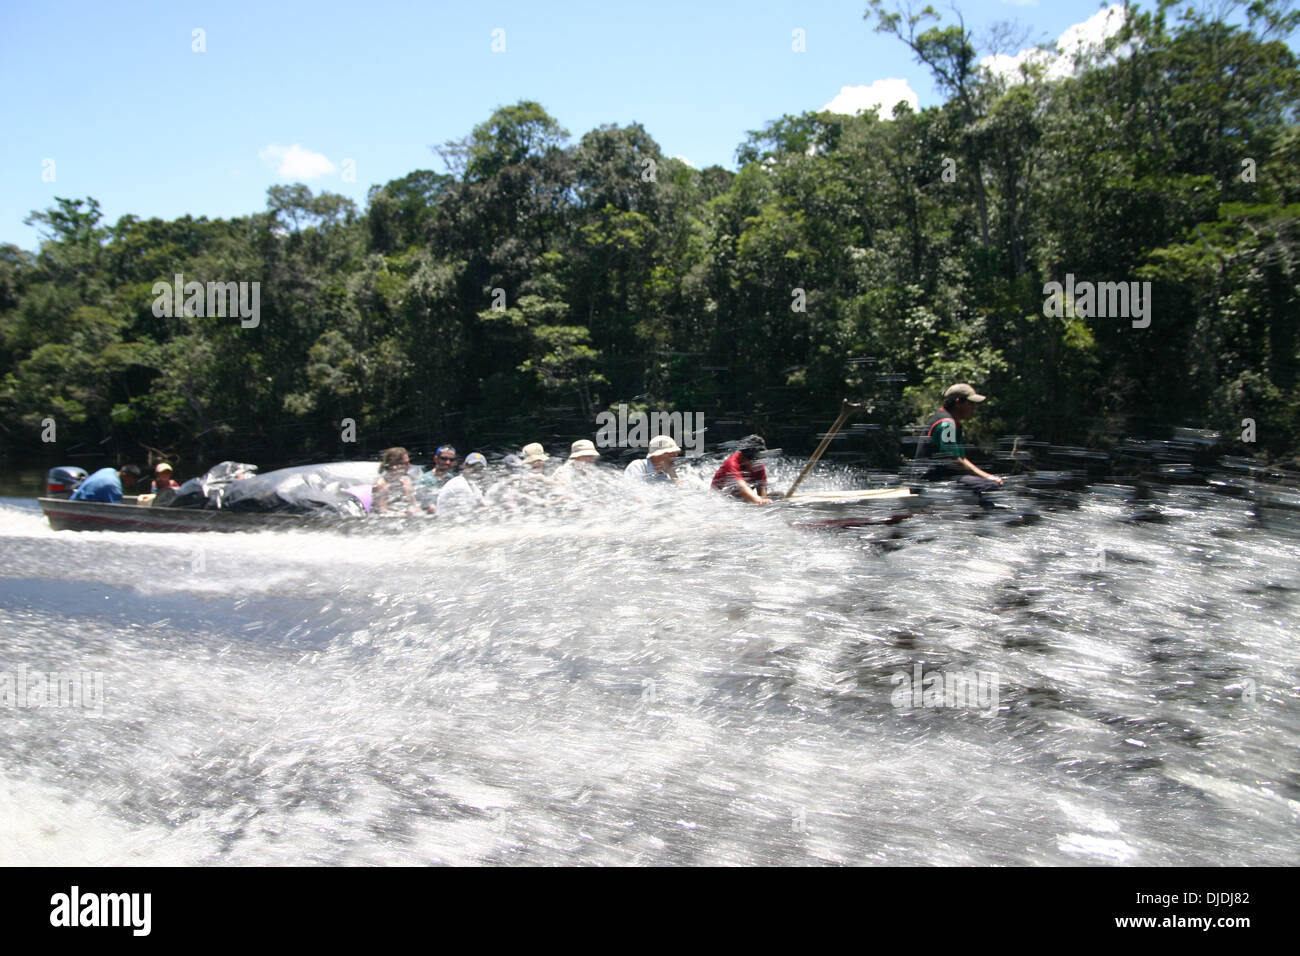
(543, 278)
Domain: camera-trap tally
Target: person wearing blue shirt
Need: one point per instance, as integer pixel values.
(105, 485)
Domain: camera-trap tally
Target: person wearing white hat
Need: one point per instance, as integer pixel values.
(534, 456)
(657, 465)
(580, 468)
(532, 487)
(162, 478)
(460, 496)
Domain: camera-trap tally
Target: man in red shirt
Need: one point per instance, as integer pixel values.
(742, 474)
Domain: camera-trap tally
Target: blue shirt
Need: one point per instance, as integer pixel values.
(643, 469)
(103, 485)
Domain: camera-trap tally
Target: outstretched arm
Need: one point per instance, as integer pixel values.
(745, 491)
(975, 469)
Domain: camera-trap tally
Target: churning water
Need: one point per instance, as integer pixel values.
(681, 681)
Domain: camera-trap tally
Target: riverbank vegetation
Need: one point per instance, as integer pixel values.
(544, 277)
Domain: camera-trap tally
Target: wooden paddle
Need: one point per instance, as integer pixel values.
(846, 409)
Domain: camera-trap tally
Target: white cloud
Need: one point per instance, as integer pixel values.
(881, 96)
(296, 163)
(686, 161)
(1089, 34)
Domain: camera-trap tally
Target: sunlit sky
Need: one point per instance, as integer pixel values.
(116, 101)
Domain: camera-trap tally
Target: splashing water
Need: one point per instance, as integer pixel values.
(675, 680)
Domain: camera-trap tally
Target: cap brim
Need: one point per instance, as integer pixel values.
(976, 398)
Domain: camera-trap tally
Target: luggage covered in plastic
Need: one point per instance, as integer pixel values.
(340, 487)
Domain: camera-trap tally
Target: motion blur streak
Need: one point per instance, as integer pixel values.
(690, 681)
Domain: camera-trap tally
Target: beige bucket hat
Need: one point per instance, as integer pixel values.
(534, 452)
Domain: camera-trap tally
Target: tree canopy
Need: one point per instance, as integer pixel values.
(540, 280)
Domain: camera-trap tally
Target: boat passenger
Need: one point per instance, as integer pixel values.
(162, 479)
(657, 465)
(742, 475)
(580, 468)
(461, 495)
(534, 458)
(429, 484)
(394, 491)
(530, 487)
(105, 485)
(941, 454)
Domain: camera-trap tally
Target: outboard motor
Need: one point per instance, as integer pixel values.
(62, 481)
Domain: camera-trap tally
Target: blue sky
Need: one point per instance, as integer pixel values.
(116, 97)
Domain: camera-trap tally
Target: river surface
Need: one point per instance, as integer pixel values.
(682, 681)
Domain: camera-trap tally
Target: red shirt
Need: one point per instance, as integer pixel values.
(736, 468)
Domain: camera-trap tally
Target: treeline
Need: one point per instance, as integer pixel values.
(542, 280)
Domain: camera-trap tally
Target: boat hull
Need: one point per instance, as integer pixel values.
(65, 515)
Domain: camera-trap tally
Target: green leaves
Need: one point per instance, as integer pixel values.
(538, 278)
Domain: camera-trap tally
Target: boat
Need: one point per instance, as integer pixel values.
(231, 497)
(132, 514)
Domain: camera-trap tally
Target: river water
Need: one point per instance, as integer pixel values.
(681, 681)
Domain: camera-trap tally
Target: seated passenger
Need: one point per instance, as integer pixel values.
(461, 496)
(534, 458)
(657, 465)
(530, 487)
(580, 468)
(394, 492)
(162, 479)
(430, 483)
(105, 485)
(742, 474)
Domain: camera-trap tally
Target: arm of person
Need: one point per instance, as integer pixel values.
(425, 497)
(379, 496)
(408, 486)
(975, 469)
(746, 491)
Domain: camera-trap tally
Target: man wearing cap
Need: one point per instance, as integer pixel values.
(429, 484)
(459, 497)
(105, 485)
(742, 474)
(162, 479)
(941, 448)
(657, 465)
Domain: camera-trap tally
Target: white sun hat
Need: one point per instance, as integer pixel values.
(534, 452)
(662, 445)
